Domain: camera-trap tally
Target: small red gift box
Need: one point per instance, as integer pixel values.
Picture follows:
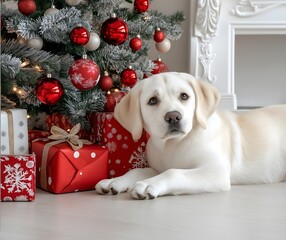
(64, 170)
(124, 152)
(17, 177)
(67, 164)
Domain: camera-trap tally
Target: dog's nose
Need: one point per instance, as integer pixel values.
(173, 117)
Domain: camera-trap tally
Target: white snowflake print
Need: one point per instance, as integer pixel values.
(139, 158)
(74, 67)
(77, 78)
(22, 158)
(17, 179)
(91, 68)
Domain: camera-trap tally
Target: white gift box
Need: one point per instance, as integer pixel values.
(14, 131)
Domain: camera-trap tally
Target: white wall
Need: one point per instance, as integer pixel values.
(260, 70)
(177, 59)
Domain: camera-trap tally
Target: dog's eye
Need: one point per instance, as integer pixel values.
(153, 101)
(184, 96)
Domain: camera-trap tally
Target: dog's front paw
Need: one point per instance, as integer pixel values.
(143, 190)
(110, 186)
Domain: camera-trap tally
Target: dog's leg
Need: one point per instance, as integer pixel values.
(125, 182)
(182, 181)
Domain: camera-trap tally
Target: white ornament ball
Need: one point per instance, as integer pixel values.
(51, 10)
(36, 43)
(93, 43)
(73, 2)
(163, 46)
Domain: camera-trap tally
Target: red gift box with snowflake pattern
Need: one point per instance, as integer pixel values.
(60, 169)
(18, 178)
(124, 153)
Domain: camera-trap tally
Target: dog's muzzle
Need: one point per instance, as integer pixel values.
(173, 119)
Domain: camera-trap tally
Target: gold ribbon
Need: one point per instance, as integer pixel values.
(10, 131)
(59, 135)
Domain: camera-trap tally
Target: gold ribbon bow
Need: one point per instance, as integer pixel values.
(71, 137)
(60, 136)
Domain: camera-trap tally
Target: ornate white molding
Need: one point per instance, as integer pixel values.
(248, 8)
(206, 24)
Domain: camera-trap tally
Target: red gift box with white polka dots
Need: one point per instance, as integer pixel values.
(124, 153)
(17, 178)
(65, 170)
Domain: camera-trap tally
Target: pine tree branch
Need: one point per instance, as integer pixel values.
(10, 66)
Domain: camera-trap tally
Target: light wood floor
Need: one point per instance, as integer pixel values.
(246, 212)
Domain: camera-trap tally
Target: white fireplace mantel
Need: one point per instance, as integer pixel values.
(214, 25)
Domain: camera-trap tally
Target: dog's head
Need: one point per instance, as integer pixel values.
(167, 105)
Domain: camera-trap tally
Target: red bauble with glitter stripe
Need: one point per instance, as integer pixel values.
(27, 7)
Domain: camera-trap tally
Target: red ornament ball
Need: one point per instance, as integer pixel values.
(160, 67)
(84, 74)
(135, 43)
(114, 31)
(49, 90)
(159, 35)
(79, 36)
(27, 7)
(128, 77)
(141, 5)
(110, 103)
(105, 82)
(112, 98)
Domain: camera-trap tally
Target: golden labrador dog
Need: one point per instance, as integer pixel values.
(193, 148)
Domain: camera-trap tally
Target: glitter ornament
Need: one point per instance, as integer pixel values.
(141, 5)
(136, 43)
(79, 36)
(114, 30)
(128, 77)
(84, 73)
(49, 90)
(27, 7)
(110, 103)
(160, 67)
(105, 82)
(159, 35)
(113, 97)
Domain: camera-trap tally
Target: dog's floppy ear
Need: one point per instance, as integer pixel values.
(128, 113)
(207, 99)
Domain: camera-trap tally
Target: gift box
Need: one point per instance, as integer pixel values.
(62, 169)
(17, 177)
(36, 134)
(124, 153)
(14, 132)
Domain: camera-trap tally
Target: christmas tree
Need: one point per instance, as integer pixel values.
(70, 56)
